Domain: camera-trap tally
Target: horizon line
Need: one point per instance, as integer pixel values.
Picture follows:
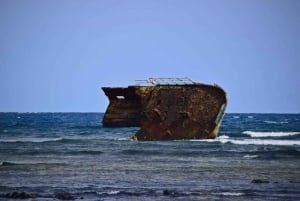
(104, 112)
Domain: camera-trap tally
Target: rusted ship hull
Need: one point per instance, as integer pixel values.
(167, 112)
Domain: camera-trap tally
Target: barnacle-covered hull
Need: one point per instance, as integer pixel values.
(167, 112)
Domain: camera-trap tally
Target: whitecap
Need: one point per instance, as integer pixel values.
(263, 142)
(250, 117)
(270, 134)
(236, 117)
(30, 139)
(276, 122)
(113, 192)
(223, 137)
(123, 139)
(250, 156)
(200, 140)
(230, 194)
(226, 139)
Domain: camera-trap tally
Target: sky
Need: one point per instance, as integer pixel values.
(55, 55)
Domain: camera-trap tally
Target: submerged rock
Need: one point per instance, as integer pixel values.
(20, 195)
(64, 196)
(167, 192)
(259, 181)
(7, 163)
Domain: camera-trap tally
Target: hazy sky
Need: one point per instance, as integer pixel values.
(55, 55)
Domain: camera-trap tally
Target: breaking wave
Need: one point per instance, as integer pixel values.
(112, 192)
(276, 122)
(230, 194)
(225, 139)
(270, 134)
(31, 140)
(250, 156)
(261, 142)
(5, 163)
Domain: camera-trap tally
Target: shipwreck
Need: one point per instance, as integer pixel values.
(167, 109)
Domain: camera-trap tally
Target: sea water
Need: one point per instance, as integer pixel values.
(48, 154)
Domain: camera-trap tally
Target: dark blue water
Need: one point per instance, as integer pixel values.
(51, 153)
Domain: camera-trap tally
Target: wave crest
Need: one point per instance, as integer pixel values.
(270, 134)
(276, 122)
(31, 140)
(262, 142)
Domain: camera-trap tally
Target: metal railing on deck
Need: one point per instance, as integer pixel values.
(165, 81)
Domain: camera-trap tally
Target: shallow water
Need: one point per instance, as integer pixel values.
(51, 153)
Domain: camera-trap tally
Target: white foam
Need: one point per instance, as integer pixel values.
(123, 139)
(220, 138)
(109, 192)
(230, 194)
(30, 139)
(276, 122)
(251, 142)
(236, 117)
(113, 192)
(223, 137)
(270, 134)
(250, 156)
(262, 142)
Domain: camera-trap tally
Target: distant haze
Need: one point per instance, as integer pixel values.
(55, 55)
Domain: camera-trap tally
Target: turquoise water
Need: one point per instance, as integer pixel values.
(51, 153)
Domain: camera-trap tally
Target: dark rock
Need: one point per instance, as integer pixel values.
(20, 195)
(294, 181)
(168, 192)
(259, 181)
(64, 196)
(7, 163)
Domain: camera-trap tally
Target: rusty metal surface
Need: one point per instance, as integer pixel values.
(167, 112)
(124, 109)
(180, 112)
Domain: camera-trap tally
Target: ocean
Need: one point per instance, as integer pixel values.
(53, 156)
